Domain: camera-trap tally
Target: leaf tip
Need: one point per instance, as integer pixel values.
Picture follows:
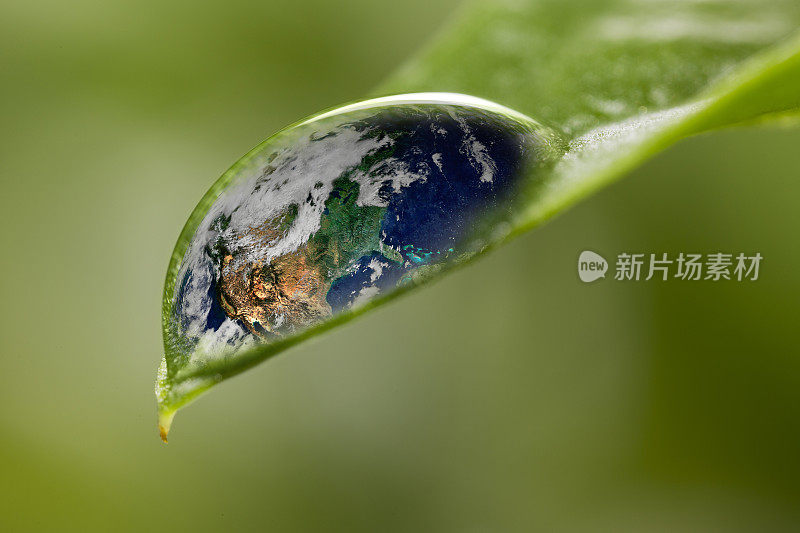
(164, 423)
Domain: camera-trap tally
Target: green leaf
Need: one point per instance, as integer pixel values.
(621, 80)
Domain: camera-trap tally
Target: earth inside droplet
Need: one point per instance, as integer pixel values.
(344, 208)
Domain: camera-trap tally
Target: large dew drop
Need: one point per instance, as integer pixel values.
(343, 209)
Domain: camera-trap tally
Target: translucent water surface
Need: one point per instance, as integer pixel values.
(342, 209)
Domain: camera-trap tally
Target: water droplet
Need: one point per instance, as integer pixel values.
(344, 208)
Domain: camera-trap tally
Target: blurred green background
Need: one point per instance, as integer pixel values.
(508, 396)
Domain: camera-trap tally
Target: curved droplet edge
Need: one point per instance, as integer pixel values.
(551, 139)
(551, 135)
